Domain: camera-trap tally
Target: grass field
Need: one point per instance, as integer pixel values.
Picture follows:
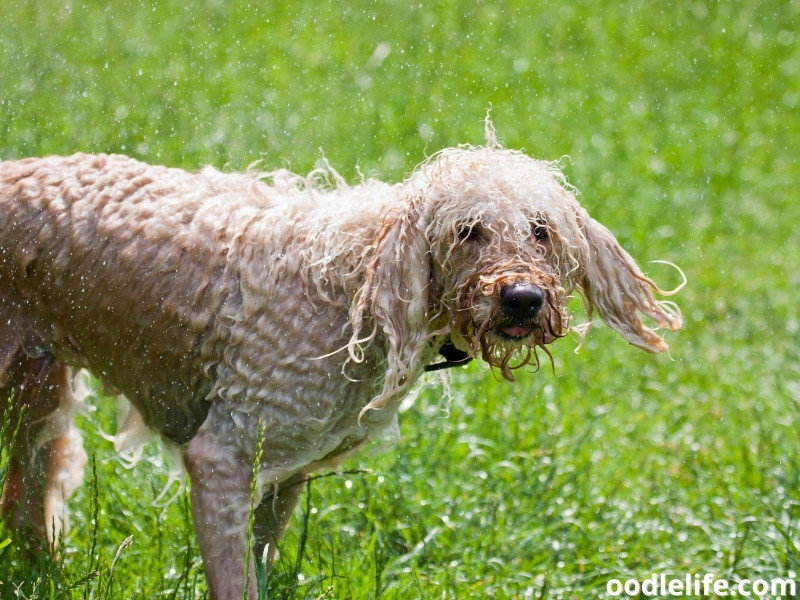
(682, 124)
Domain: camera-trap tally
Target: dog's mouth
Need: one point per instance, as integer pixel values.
(514, 333)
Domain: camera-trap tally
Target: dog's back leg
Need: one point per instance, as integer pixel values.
(47, 458)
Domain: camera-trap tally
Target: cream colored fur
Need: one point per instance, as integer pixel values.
(215, 302)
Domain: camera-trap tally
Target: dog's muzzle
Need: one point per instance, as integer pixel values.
(521, 303)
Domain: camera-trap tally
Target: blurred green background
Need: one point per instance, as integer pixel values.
(681, 126)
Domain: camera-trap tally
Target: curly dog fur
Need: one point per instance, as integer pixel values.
(222, 305)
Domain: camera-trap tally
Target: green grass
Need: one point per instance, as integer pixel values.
(681, 123)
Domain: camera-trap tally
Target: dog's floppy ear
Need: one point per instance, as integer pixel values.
(394, 297)
(614, 285)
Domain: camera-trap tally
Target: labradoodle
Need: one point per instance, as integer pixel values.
(226, 307)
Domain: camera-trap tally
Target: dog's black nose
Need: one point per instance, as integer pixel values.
(521, 300)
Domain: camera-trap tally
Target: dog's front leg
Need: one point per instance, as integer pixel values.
(273, 516)
(220, 506)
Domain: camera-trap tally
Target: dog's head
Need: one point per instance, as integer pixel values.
(502, 262)
(508, 245)
(485, 255)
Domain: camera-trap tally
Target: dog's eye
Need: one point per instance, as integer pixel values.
(470, 232)
(540, 231)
